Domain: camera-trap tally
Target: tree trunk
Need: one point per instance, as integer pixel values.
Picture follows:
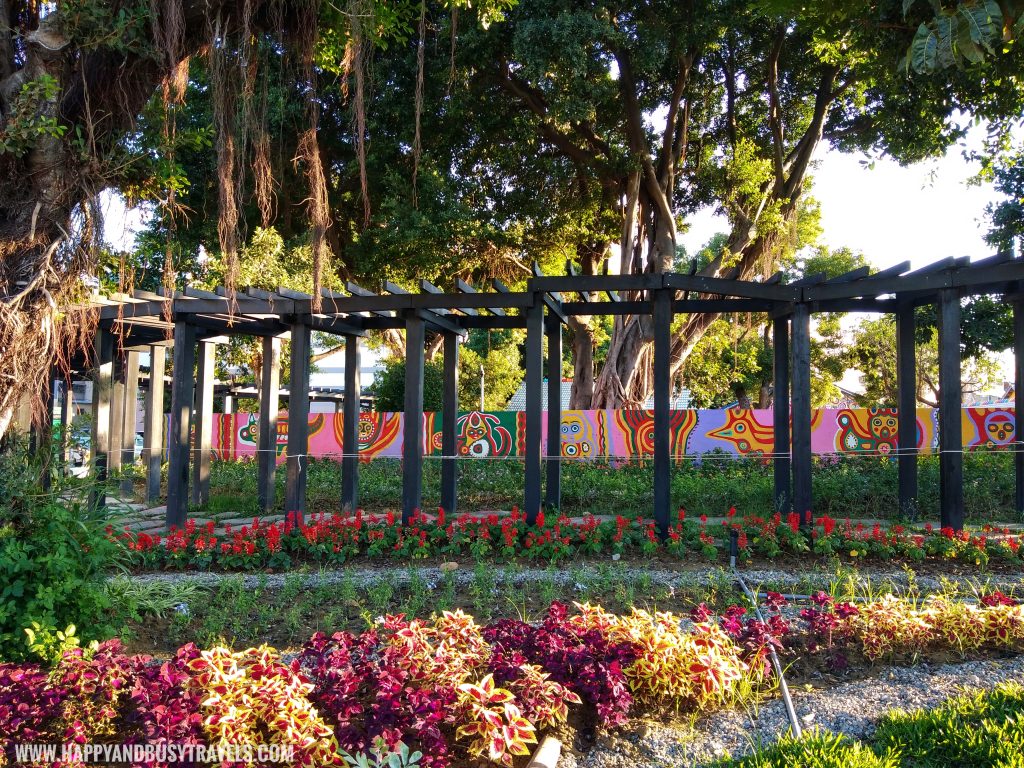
(582, 393)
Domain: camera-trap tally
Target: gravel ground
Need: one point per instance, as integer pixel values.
(851, 709)
(869, 578)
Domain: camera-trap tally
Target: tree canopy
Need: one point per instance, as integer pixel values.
(404, 140)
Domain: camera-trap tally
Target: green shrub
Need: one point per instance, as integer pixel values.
(54, 555)
(389, 386)
(818, 749)
(976, 729)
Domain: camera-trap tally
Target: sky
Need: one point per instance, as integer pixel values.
(923, 212)
(890, 213)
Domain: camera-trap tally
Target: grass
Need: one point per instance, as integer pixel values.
(973, 730)
(160, 616)
(860, 486)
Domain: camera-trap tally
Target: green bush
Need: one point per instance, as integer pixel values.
(975, 729)
(818, 749)
(53, 559)
(389, 386)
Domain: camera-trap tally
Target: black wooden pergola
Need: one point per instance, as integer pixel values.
(192, 322)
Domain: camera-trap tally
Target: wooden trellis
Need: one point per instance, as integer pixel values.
(199, 319)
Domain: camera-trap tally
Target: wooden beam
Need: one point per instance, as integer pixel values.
(412, 447)
(906, 383)
(951, 460)
(449, 417)
(204, 424)
(270, 404)
(661, 312)
(534, 379)
(153, 432)
(801, 403)
(350, 428)
(182, 392)
(298, 420)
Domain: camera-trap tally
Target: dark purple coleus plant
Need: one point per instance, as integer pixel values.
(29, 706)
(368, 696)
(584, 661)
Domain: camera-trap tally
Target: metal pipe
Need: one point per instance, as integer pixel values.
(794, 721)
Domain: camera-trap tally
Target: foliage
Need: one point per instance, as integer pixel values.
(873, 354)
(54, 562)
(502, 373)
(960, 35)
(389, 386)
(27, 122)
(975, 728)
(818, 749)
(48, 643)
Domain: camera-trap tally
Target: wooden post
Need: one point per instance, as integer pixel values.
(534, 381)
(951, 460)
(449, 419)
(103, 362)
(128, 421)
(662, 321)
(204, 423)
(178, 451)
(350, 427)
(66, 417)
(117, 400)
(553, 479)
(298, 421)
(153, 438)
(780, 413)
(1018, 401)
(801, 439)
(412, 420)
(906, 382)
(270, 397)
(42, 432)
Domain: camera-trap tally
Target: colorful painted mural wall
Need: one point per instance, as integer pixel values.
(618, 434)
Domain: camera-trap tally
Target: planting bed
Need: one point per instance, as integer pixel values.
(584, 674)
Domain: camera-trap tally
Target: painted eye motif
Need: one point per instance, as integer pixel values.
(571, 449)
(575, 427)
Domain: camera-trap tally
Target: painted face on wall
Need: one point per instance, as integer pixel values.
(883, 425)
(999, 427)
(481, 434)
(577, 437)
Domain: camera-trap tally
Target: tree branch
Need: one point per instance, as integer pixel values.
(774, 107)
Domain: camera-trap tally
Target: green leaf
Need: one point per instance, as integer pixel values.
(984, 26)
(945, 33)
(966, 45)
(906, 6)
(923, 49)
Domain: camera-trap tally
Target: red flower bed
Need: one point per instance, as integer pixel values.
(335, 539)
